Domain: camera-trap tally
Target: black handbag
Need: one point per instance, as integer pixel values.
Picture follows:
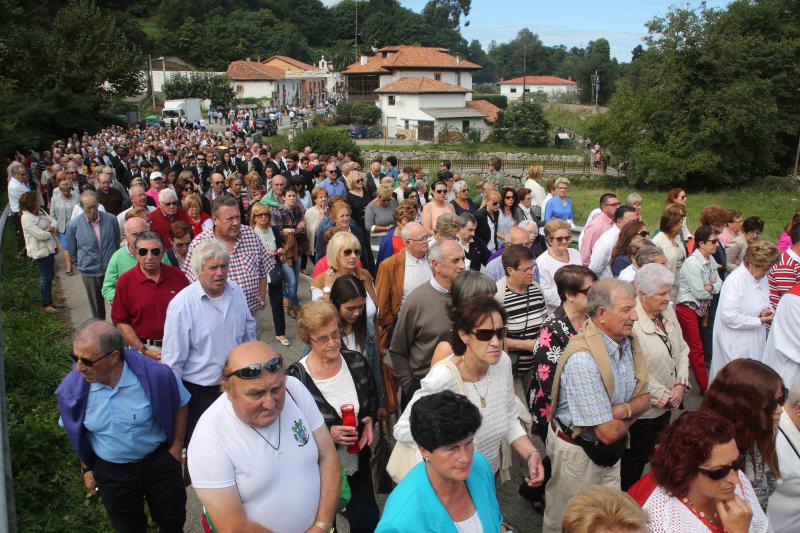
(603, 454)
(276, 273)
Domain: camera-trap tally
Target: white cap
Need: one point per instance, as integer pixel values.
(156, 175)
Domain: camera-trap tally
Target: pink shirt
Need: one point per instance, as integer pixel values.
(96, 228)
(152, 194)
(599, 225)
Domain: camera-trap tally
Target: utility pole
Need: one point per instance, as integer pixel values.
(524, 68)
(797, 158)
(595, 79)
(152, 85)
(356, 35)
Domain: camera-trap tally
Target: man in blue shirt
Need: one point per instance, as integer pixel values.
(125, 416)
(333, 184)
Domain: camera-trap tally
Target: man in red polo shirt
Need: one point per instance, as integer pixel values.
(143, 293)
(166, 213)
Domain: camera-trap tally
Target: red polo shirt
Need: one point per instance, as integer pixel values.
(142, 303)
(160, 223)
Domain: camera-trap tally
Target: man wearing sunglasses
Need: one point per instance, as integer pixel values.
(143, 294)
(598, 225)
(167, 213)
(261, 455)
(599, 390)
(125, 415)
(494, 267)
(600, 261)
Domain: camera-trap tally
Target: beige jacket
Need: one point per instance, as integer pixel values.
(665, 368)
(39, 242)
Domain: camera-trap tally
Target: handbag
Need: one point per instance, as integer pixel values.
(276, 274)
(406, 456)
(344, 492)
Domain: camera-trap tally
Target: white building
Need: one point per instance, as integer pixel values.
(252, 79)
(421, 91)
(550, 85)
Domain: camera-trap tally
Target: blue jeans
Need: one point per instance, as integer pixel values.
(46, 273)
(290, 274)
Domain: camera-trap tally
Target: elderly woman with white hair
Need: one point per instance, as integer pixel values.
(462, 202)
(658, 337)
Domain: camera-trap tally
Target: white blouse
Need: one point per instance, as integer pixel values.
(738, 332)
(548, 266)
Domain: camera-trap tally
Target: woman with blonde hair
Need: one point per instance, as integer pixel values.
(200, 220)
(560, 205)
(314, 215)
(604, 509)
(357, 197)
(272, 240)
(557, 235)
(487, 219)
(379, 215)
(254, 189)
(533, 184)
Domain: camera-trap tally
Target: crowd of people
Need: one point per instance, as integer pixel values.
(475, 333)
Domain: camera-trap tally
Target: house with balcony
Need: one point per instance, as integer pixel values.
(421, 91)
(313, 81)
(550, 85)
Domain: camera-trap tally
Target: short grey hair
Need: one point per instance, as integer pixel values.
(88, 193)
(212, 249)
(528, 225)
(633, 198)
(224, 200)
(405, 233)
(107, 337)
(166, 194)
(460, 186)
(648, 254)
(435, 252)
(466, 217)
(148, 236)
(601, 294)
(793, 397)
(652, 277)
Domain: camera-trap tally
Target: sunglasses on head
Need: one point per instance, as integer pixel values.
(351, 251)
(721, 472)
(143, 251)
(90, 362)
(485, 335)
(254, 371)
(643, 233)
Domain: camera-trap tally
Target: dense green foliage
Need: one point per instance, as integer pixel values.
(61, 68)
(500, 100)
(214, 87)
(48, 489)
(325, 141)
(711, 99)
(357, 113)
(522, 124)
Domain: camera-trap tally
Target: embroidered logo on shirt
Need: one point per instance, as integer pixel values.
(300, 433)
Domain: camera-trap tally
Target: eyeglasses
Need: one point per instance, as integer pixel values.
(721, 472)
(153, 251)
(440, 191)
(413, 196)
(781, 400)
(643, 233)
(180, 244)
(325, 339)
(509, 197)
(351, 251)
(712, 241)
(168, 203)
(561, 239)
(614, 205)
(90, 362)
(259, 215)
(494, 203)
(485, 335)
(254, 371)
(217, 182)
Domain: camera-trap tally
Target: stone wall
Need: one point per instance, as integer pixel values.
(369, 155)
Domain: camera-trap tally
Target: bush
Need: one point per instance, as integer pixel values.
(325, 141)
(357, 113)
(522, 125)
(500, 100)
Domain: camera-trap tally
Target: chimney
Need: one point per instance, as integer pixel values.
(458, 58)
(364, 60)
(258, 58)
(247, 59)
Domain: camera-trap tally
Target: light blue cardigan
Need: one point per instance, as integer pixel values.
(414, 507)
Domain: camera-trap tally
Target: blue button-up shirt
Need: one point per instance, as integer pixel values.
(120, 421)
(583, 400)
(336, 188)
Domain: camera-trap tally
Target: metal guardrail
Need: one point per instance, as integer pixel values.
(510, 166)
(8, 519)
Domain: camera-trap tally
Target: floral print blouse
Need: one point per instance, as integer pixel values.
(553, 339)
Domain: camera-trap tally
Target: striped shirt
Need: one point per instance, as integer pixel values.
(526, 314)
(784, 275)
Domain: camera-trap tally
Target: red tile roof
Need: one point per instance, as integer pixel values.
(487, 108)
(420, 85)
(253, 70)
(296, 62)
(538, 80)
(410, 57)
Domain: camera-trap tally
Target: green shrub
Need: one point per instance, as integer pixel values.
(357, 113)
(325, 141)
(523, 124)
(500, 100)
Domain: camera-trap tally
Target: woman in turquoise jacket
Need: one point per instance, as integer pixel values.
(454, 484)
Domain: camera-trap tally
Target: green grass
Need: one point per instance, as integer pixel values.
(775, 200)
(48, 485)
(577, 121)
(277, 141)
(469, 149)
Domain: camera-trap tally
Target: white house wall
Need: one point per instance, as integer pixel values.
(461, 78)
(442, 100)
(532, 88)
(254, 88)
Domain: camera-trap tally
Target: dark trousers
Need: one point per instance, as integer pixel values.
(123, 487)
(202, 398)
(93, 286)
(407, 394)
(46, 267)
(362, 511)
(17, 219)
(644, 434)
(275, 291)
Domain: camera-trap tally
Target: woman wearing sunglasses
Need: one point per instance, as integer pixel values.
(336, 377)
(436, 207)
(480, 370)
(620, 260)
(751, 395)
(559, 254)
(696, 483)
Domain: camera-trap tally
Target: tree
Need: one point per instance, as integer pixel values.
(446, 13)
(207, 86)
(522, 124)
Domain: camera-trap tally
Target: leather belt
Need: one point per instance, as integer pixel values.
(152, 342)
(561, 435)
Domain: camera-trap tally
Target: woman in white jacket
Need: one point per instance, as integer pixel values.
(39, 231)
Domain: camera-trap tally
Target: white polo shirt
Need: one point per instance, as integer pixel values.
(417, 272)
(279, 491)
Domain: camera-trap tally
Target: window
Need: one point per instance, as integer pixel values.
(465, 126)
(240, 90)
(527, 90)
(513, 89)
(458, 78)
(405, 124)
(437, 77)
(391, 99)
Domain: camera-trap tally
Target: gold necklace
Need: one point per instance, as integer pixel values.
(469, 374)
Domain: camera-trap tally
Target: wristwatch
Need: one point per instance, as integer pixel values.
(327, 528)
(326, 290)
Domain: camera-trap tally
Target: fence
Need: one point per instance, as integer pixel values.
(8, 520)
(510, 167)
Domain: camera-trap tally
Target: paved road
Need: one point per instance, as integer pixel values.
(516, 510)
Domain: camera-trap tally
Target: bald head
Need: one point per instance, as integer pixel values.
(134, 226)
(518, 235)
(91, 331)
(257, 402)
(248, 353)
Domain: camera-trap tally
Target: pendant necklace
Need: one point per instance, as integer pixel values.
(481, 396)
(276, 448)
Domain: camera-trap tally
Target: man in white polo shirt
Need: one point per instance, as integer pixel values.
(262, 455)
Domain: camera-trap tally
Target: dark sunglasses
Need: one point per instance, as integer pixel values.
(494, 203)
(561, 239)
(485, 335)
(712, 241)
(254, 371)
(168, 203)
(643, 233)
(350, 251)
(143, 251)
(90, 362)
(781, 400)
(721, 472)
(440, 191)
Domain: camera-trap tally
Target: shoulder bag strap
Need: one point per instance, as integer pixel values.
(789, 441)
(456, 375)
